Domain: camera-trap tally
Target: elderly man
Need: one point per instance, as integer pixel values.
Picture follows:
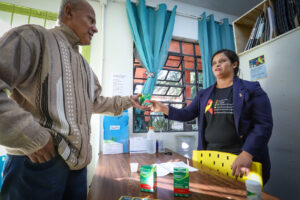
(45, 124)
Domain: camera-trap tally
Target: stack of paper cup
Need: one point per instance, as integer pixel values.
(253, 190)
(134, 167)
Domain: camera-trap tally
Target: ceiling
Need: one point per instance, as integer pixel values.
(232, 7)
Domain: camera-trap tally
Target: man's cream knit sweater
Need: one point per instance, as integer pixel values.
(53, 92)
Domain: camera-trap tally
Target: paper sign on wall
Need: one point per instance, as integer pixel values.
(257, 68)
(121, 84)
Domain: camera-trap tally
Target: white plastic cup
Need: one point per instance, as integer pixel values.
(253, 190)
(134, 167)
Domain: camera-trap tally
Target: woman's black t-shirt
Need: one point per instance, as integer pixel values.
(220, 133)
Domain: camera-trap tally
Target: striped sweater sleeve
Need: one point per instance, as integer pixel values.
(113, 106)
(19, 59)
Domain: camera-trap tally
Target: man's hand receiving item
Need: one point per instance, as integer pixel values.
(136, 103)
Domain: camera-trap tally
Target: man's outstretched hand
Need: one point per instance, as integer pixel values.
(136, 103)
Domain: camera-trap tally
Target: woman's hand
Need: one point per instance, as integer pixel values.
(158, 107)
(241, 165)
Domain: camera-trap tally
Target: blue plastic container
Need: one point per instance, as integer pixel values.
(2, 161)
(116, 129)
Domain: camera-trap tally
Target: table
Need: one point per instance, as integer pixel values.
(112, 179)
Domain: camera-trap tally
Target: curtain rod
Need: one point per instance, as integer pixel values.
(195, 17)
(183, 14)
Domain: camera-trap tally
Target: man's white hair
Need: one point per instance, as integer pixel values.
(63, 5)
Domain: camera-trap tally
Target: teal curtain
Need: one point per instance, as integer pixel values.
(213, 36)
(151, 30)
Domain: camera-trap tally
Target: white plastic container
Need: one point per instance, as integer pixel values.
(151, 141)
(253, 190)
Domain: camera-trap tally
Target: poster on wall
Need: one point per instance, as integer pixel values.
(257, 68)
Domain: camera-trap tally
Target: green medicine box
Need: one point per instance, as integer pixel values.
(181, 182)
(148, 178)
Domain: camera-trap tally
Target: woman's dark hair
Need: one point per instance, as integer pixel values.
(233, 57)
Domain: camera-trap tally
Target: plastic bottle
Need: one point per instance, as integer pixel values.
(151, 141)
(160, 141)
(156, 143)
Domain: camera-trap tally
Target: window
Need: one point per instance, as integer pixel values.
(178, 83)
(12, 15)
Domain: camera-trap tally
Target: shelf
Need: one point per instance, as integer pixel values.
(270, 41)
(242, 27)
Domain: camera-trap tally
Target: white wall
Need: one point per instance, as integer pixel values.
(282, 86)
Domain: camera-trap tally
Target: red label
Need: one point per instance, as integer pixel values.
(181, 191)
(147, 187)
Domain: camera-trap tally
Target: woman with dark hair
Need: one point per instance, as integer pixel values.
(234, 116)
